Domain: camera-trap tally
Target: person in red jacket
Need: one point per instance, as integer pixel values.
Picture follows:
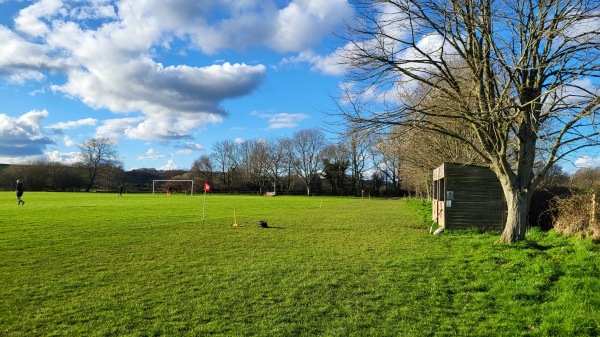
(20, 192)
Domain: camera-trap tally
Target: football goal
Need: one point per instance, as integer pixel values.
(185, 186)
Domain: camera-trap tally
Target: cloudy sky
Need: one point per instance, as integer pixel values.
(164, 79)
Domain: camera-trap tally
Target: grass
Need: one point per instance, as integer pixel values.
(141, 265)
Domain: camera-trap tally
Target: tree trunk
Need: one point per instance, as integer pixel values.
(517, 215)
(518, 185)
(92, 177)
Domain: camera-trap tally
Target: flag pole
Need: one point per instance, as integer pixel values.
(206, 189)
(204, 207)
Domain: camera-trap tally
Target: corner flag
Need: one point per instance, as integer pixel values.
(206, 189)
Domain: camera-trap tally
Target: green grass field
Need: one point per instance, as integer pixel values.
(75, 264)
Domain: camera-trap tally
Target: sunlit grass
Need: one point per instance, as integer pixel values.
(103, 265)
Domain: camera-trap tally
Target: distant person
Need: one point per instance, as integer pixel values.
(169, 190)
(121, 190)
(20, 192)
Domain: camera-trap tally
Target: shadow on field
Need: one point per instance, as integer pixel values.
(536, 246)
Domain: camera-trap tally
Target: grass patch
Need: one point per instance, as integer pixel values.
(138, 265)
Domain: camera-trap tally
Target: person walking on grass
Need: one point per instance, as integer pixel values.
(20, 192)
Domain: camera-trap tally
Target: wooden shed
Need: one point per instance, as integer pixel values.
(466, 196)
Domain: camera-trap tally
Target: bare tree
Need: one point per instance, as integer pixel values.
(277, 159)
(285, 145)
(254, 162)
(357, 145)
(224, 156)
(587, 178)
(421, 151)
(203, 169)
(66, 177)
(98, 155)
(307, 146)
(521, 71)
(386, 157)
(336, 162)
(33, 173)
(555, 177)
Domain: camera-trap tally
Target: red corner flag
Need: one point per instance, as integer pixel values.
(206, 189)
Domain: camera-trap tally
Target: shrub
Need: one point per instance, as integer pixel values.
(578, 215)
(542, 211)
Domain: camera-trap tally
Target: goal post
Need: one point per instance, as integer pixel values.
(158, 183)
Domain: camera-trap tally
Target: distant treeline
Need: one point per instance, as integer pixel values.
(46, 176)
(306, 163)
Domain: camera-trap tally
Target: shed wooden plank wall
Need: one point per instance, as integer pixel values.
(477, 197)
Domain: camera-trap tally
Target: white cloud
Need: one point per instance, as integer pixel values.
(74, 124)
(38, 92)
(96, 10)
(299, 25)
(579, 90)
(189, 148)
(281, 120)
(166, 127)
(21, 60)
(587, 161)
(68, 158)
(304, 22)
(170, 165)
(174, 99)
(115, 128)
(194, 146)
(29, 19)
(23, 136)
(107, 50)
(108, 69)
(20, 159)
(151, 154)
(585, 31)
(328, 65)
(68, 141)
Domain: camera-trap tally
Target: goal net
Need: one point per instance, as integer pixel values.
(173, 186)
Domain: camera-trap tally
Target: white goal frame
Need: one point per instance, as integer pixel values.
(174, 180)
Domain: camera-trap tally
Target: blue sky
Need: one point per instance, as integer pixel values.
(164, 79)
(167, 79)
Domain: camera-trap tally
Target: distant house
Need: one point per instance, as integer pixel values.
(466, 196)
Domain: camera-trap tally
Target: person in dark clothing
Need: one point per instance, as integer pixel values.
(121, 188)
(20, 192)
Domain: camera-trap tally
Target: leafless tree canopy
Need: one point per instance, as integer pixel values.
(522, 75)
(306, 146)
(98, 155)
